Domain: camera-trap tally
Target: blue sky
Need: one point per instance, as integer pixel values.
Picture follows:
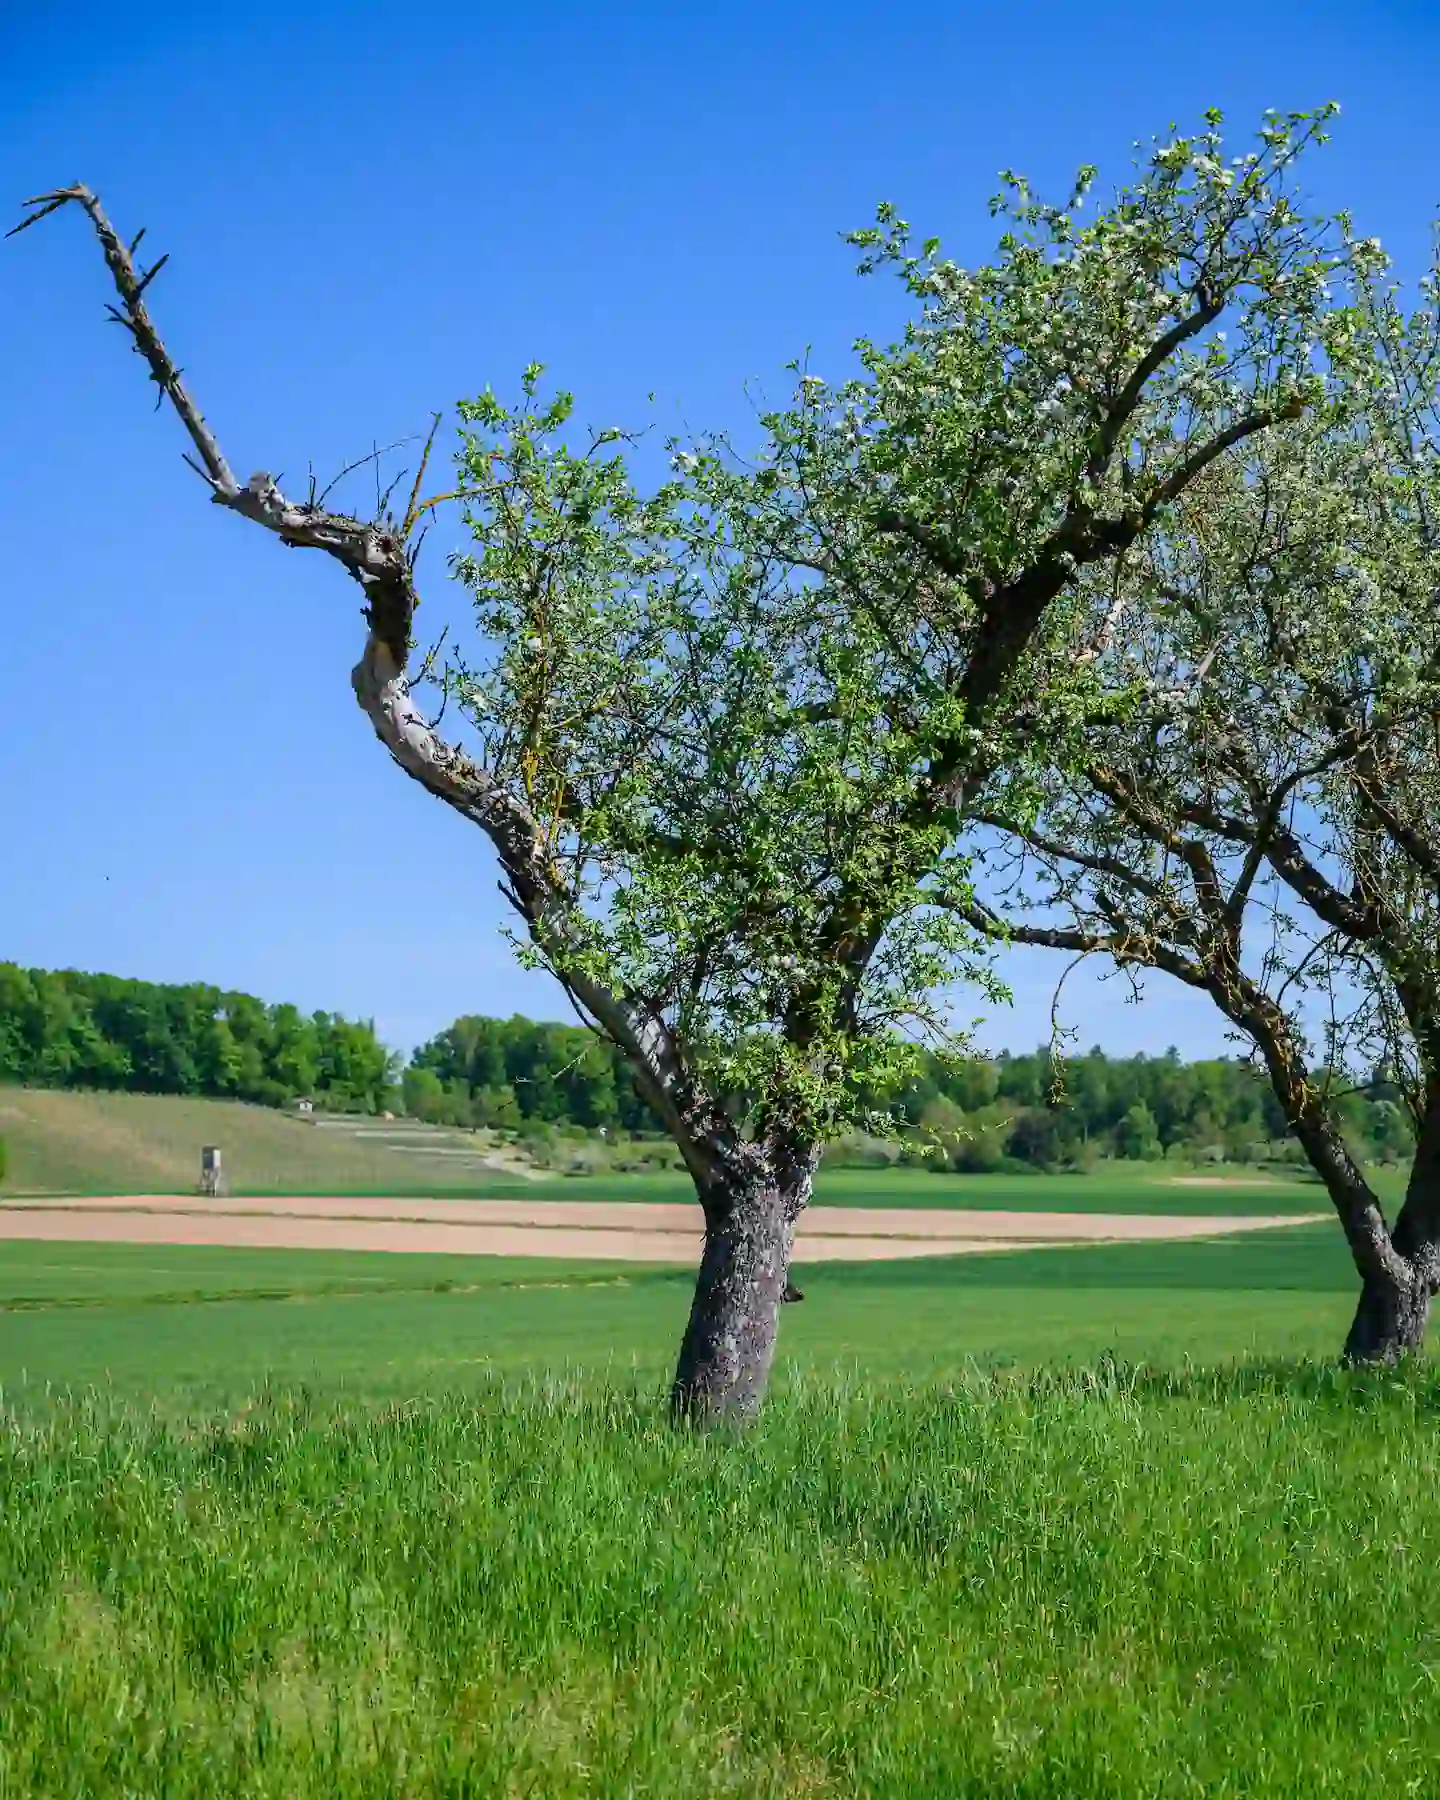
(384, 207)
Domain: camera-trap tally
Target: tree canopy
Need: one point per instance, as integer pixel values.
(1256, 814)
(746, 711)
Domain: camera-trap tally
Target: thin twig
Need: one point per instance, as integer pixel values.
(410, 510)
(359, 463)
(50, 203)
(150, 273)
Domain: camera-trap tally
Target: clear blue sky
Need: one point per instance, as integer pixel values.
(384, 207)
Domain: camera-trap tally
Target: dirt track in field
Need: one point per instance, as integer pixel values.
(574, 1230)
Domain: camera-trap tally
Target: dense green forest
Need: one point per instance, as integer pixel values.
(66, 1029)
(986, 1114)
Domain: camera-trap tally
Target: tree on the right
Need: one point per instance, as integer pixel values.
(1257, 811)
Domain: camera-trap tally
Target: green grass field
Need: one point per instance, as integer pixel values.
(207, 1327)
(1060, 1524)
(1114, 1187)
(1067, 1588)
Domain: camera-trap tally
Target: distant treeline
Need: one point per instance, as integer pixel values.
(503, 1072)
(67, 1029)
(986, 1114)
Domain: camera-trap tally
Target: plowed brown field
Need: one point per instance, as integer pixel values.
(574, 1230)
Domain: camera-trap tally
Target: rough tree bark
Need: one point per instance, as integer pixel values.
(1396, 1265)
(1391, 1319)
(751, 1204)
(1394, 1310)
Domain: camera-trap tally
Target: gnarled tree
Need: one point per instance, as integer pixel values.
(721, 734)
(1256, 812)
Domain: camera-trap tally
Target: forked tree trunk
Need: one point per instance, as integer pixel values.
(729, 1342)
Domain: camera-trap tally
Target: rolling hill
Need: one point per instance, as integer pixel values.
(68, 1142)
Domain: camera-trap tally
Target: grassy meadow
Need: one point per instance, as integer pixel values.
(1062, 1587)
(1099, 1521)
(84, 1143)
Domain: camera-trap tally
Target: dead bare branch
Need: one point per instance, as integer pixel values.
(377, 559)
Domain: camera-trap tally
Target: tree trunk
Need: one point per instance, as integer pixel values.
(729, 1343)
(1391, 1318)
(1394, 1305)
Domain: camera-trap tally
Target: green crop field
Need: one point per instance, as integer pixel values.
(211, 1326)
(1114, 1187)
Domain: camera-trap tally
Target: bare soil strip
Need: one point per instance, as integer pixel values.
(1222, 1181)
(621, 1231)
